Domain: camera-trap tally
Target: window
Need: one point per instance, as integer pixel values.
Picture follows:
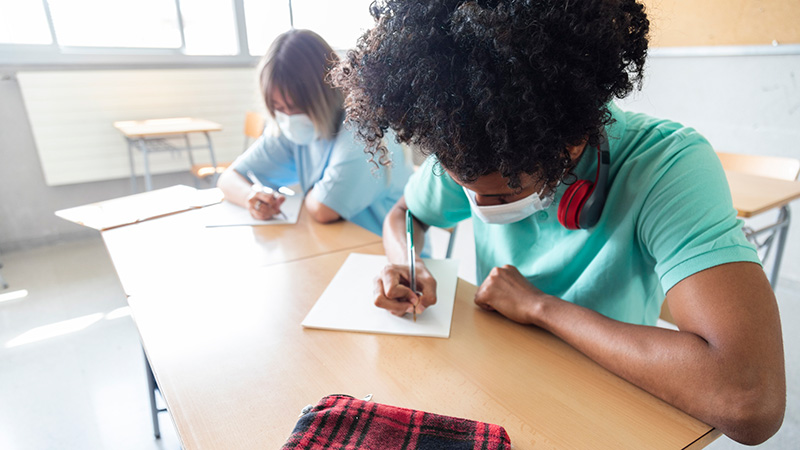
(265, 21)
(116, 23)
(166, 32)
(209, 27)
(339, 22)
(23, 23)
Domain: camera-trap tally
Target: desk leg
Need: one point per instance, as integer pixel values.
(151, 390)
(3, 284)
(148, 183)
(189, 149)
(134, 187)
(784, 218)
(213, 159)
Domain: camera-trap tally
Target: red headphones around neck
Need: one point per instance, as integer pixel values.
(582, 203)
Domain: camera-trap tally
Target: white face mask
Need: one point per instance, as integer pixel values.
(509, 212)
(298, 128)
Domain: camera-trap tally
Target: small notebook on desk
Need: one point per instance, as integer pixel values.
(347, 304)
(137, 208)
(227, 214)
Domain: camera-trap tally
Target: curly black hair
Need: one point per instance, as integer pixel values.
(491, 85)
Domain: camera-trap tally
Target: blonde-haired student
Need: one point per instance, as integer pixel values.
(313, 147)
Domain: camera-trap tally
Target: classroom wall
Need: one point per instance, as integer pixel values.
(742, 104)
(746, 104)
(27, 204)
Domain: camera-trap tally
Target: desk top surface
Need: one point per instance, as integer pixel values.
(235, 366)
(180, 249)
(753, 194)
(163, 127)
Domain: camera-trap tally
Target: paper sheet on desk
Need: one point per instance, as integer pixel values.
(227, 214)
(140, 207)
(348, 302)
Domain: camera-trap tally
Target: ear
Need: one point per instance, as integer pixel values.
(576, 151)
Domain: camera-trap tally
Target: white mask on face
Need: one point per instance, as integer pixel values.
(509, 212)
(298, 128)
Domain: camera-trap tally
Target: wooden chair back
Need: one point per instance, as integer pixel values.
(253, 125)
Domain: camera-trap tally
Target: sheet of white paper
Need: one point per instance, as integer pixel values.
(227, 214)
(140, 207)
(347, 303)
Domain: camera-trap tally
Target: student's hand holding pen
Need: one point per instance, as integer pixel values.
(393, 291)
(264, 206)
(263, 202)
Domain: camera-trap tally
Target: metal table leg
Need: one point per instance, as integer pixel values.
(775, 239)
(213, 159)
(151, 390)
(148, 183)
(784, 218)
(189, 149)
(134, 186)
(3, 284)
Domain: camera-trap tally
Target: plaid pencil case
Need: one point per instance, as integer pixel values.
(344, 422)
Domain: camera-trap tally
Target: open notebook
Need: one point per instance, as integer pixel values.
(348, 302)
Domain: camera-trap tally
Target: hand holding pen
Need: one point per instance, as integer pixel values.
(406, 288)
(264, 202)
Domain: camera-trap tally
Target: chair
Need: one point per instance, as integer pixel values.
(787, 169)
(765, 238)
(253, 127)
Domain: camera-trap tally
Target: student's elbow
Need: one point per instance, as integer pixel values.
(319, 212)
(755, 413)
(226, 180)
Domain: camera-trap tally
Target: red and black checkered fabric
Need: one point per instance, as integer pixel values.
(343, 422)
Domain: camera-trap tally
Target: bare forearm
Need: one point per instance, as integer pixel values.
(679, 367)
(235, 188)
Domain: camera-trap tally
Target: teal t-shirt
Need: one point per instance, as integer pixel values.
(668, 215)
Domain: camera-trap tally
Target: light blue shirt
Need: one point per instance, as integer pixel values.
(337, 169)
(668, 215)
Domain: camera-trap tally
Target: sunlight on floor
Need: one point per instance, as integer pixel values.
(54, 329)
(13, 295)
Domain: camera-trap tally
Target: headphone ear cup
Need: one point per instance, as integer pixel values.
(569, 208)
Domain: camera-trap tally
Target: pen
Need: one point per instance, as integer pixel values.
(411, 256)
(267, 190)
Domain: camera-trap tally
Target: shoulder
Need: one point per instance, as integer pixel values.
(636, 134)
(645, 148)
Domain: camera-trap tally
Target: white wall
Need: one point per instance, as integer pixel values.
(27, 204)
(742, 104)
(72, 112)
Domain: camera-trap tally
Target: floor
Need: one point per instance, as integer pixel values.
(72, 371)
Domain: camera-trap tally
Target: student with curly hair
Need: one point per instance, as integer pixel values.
(585, 216)
(312, 147)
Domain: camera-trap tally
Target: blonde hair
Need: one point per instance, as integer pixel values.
(297, 64)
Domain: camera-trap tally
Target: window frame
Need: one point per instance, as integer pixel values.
(54, 56)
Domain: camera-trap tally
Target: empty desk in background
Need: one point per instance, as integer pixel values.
(151, 136)
(753, 195)
(222, 334)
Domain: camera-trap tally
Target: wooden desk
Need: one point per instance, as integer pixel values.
(149, 135)
(179, 249)
(753, 195)
(235, 366)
